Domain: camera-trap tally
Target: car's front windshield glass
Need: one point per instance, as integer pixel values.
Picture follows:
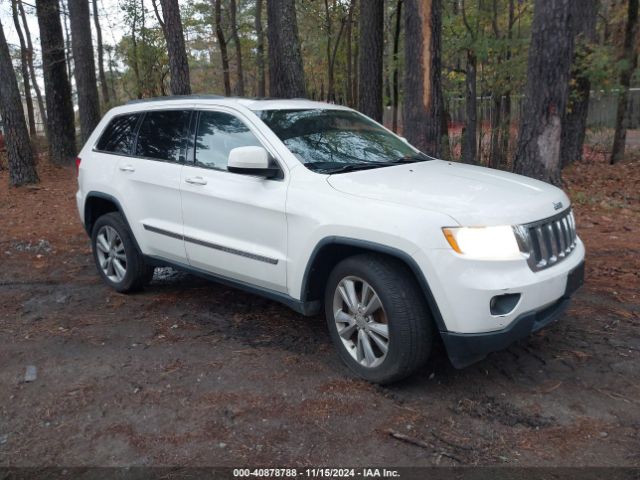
(338, 140)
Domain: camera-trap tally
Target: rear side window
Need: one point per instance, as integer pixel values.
(218, 134)
(162, 134)
(119, 134)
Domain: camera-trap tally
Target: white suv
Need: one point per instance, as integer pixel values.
(319, 207)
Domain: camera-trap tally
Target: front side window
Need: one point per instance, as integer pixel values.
(119, 134)
(162, 134)
(338, 140)
(218, 133)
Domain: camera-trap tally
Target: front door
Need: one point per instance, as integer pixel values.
(234, 224)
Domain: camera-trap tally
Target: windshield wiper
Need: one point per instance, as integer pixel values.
(336, 167)
(347, 167)
(398, 161)
(416, 157)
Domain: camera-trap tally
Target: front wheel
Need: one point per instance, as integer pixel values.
(378, 318)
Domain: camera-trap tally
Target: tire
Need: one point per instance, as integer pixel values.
(409, 325)
(123, 253)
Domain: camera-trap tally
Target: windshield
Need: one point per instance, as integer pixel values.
(338, 140)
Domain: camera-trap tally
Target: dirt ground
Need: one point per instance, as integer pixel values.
(193, 373)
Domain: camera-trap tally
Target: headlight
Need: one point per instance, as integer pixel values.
(486, 243)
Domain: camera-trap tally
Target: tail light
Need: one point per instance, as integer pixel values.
(78, 160)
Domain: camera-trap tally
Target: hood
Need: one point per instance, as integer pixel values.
(470, 195)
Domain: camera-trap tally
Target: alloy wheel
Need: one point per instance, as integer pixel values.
(361, 321)
(111, 254)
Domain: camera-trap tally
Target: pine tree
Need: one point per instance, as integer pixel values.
(546, 93)
(19, 151)
(630, 57)
(104, 88)
(178, 62)
(574, 123)
(424, 121)
(286, 74)
(371, 50)
(84, 67)
(24, 68)
(233, 13)
(60, 116)
(222, 43)
(262, 90)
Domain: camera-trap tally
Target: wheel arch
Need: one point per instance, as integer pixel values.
(331, 250)
(97, 204)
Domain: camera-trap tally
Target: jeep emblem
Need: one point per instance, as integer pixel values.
(557, 206)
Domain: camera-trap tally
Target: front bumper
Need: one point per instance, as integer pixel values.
(464, 349)
(463, 288)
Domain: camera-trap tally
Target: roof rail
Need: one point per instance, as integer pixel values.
(176, 97)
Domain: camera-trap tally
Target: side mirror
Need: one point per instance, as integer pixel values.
(251, 161)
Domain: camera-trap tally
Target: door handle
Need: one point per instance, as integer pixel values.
(196, 181)
(127, 168)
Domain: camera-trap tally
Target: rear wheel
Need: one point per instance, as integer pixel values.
(378, 318)
(119, 262)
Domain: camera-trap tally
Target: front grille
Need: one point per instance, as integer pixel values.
(548, 241)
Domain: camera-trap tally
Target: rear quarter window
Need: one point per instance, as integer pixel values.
(119, 135)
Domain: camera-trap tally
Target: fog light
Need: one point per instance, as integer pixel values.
(504, 304)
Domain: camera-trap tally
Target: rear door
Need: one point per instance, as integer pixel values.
(149, 182)
(234, 224)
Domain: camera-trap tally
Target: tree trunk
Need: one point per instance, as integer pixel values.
(332, 51)
(19, 151)
(134, 48)
(328, 25)
(32, 71)
(574, 123)
(24, 68)
(350, 82)
(286, 72)
(112, 82)
(424, 120)
(158, 15)
(505, 131)
(505, 128)
(469, 133)
(548, 71)
(85, 67)
(262, 91)
(104, 88)
(222, 43)
(331, 94)
(178, 63)
(396, 48)
(630, 56)
(60, 116)
(236, 42)
(371, 47)
(356, 63)
(67, 38)
(495, 156)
